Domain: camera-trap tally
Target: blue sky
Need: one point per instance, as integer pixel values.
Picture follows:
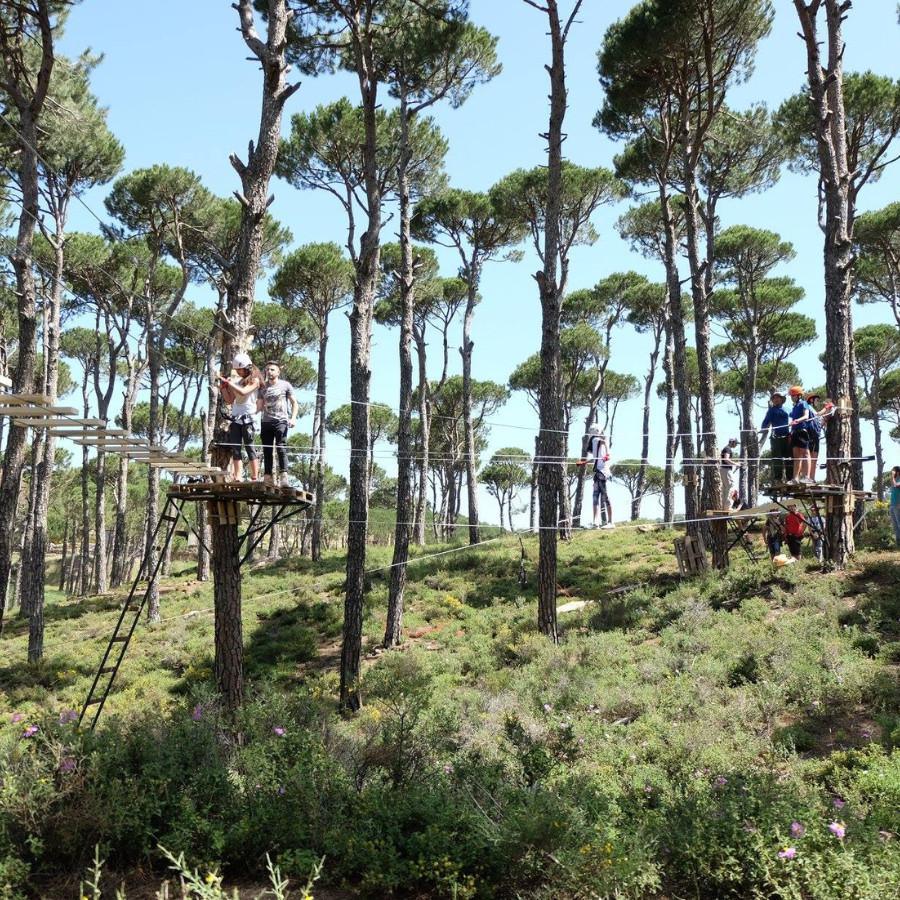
(180, 91)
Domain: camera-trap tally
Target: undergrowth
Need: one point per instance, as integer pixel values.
(736, 735)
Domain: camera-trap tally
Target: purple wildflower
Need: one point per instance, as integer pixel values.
(16, 717)
(278, 730)
(67, 716)
(197, 714)
(448, 768)
(787, 853)
(648, 789)
(30, 731)
(281, 790)
(548, 708)
(720, 781)
(838, 803)
(838, 829)
(67, 765)
(797, 829)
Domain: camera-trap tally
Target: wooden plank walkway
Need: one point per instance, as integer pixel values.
(242, 492)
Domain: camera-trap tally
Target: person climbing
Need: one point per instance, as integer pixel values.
(242, 393)
(794, 527)
(727, 466)
(800, 436)
(276, 395)
(895, 503)
(777, 422)
(598, 451)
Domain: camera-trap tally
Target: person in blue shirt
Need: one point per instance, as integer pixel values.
(801, 436)
(895, 503)
(777, 423)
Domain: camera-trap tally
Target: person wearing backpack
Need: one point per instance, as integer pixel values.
(598, 451)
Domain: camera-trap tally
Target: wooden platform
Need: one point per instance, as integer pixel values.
(242, 492)
(817, 491)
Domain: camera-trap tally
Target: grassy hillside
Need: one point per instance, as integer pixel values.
(737, 735)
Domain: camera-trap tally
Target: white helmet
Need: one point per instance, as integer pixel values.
(241, 361)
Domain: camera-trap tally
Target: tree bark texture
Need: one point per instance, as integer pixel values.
(472, 278)
(393, 632)
(712, 480)
(319, 443)
(28, 100)
(254, 175)
(826, 92)
(552, 284)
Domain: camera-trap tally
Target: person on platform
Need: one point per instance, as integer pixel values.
(727, 467)
(895, 503)
(816, 426)
(279, 413)
(777, 423)
(242, 392)
(794, 529)
(597, 452)
(801, 413)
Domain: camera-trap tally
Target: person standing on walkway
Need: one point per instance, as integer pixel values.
(598, 451)
(279, 413)
(777, 422)
(728, 467)
(801, 413)
(242, 393)
(895, 503)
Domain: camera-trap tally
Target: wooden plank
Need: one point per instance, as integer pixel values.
(37, 412)
(24, 399)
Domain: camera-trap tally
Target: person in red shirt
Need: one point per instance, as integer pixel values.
(794, 528)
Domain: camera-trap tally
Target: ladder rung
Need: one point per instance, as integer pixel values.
(169, 518)
(107, 670)
(119, 639)
(92, 700)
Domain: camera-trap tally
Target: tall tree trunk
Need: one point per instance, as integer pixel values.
(649, 378)
(826, 93)
(28, 104)
(35, 559)
(366, 266)
(65, 553)
(749, 437)
(690, 472)
(393, 632)
(100, 568)
(873, 398)
(154, 355)
(120, 555)
(671, 437)
(472, 278)
(712, 481)
(551, 284)
(533, 489)
(425, 432)
(255, 176)
(319, 443)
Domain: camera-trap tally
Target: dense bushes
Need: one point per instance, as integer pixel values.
(396, 807)
(734, 736)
